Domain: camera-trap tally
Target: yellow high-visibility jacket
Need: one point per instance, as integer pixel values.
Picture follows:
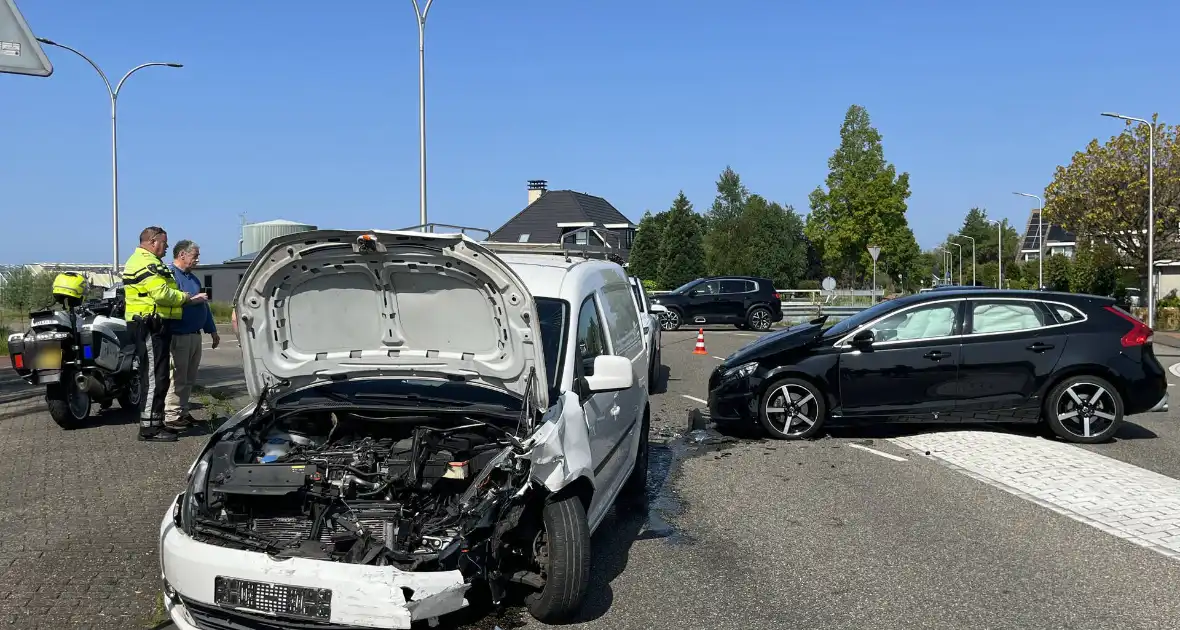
(149, 287)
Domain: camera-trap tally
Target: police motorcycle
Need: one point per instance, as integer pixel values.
(80, 351)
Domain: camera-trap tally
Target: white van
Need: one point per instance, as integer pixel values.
(428, 414)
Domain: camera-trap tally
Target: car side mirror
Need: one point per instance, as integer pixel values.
(863, 339)
(611, 374)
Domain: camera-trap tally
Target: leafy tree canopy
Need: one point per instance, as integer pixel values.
(1103, 193)
(864, 204)
(682, 255)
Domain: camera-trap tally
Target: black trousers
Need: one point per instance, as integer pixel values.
(153, 343)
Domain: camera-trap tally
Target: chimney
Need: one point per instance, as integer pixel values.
(537, 187)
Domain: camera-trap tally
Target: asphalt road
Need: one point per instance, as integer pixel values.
(743, 533)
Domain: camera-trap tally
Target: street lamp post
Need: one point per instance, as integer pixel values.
(960, 261)
(1040, 238)
(999, 253)
(972, 258)
(114, 94)
(1150, 214)
(420, 13)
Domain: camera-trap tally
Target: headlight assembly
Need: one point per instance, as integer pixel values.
(741, 371)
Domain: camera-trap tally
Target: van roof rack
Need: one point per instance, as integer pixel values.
(556, 249)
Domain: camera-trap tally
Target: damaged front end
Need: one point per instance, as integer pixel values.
(373, 486)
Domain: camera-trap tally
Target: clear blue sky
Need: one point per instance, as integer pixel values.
(290, 110)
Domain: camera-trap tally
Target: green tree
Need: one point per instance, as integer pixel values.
(864, 204)
(24, 290)
(644, 260)
(682, 256)
(1103, 193)
(977, 226)
(724, 237)
(772, 246)
(1058, 270)
(1095, 269)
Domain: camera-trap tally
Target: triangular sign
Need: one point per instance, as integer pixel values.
(20, 53)
(874, 251)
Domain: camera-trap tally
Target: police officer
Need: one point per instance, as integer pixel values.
(153, 302)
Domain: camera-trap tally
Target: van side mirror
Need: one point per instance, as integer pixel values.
(611, 374)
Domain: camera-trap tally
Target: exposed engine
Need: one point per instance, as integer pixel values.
(416, 493)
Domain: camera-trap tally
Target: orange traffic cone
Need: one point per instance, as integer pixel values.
(700, 349)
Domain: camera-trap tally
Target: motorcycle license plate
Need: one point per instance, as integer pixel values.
(49, 359)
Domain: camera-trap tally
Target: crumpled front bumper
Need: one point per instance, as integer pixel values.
(363, 596)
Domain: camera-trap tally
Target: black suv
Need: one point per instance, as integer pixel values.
(748, 303)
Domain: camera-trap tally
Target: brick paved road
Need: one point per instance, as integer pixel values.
(847, 539)
(79, 512)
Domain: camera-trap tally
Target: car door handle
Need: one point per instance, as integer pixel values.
(936, 355)
(1040, 347)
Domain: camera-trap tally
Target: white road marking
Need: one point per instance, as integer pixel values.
(695, 399)
(717, 357)
(876, 452)
(1118, 498)
(1174, 369)
(228, 383)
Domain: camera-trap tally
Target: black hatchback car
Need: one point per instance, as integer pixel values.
(746, 302)
(1077, 362)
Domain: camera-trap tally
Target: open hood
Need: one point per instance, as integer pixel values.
(327, 305)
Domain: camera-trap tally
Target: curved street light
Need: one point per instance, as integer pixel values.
(114, 94)
(972, 257)
(999, 252)
(420, 13)
(960, 261)
(1150, 214)
(1040, 238)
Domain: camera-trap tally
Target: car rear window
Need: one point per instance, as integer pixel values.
(1005, 316)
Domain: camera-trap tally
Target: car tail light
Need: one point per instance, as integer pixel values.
(18, 361)
(777, 296)
(1139, 335)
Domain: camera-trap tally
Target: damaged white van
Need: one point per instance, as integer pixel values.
(428, 416)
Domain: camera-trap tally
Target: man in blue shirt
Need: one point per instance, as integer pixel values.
(186, 337)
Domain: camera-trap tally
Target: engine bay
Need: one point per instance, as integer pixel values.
(368, 488)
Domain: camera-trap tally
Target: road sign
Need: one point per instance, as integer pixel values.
(20, 53)
(829, 284)
(874, 251)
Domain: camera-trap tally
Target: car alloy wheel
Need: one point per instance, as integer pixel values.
(760, 319)
(1085, 409)
(670, 320)
(792, 409)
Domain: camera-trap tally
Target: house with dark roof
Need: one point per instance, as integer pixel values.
(569, 217)
(1057, 240)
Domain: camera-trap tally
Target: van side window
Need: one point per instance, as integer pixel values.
(591, 340)
(622, 320)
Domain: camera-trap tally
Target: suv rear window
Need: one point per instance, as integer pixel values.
(736, 286)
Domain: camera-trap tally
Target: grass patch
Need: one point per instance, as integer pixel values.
(159, 615)
(4, 332)
(218, 404)
(221, 311)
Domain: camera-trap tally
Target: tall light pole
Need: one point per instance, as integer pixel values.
(114, 94)
(1150, 215)
(972, 258)
(420, 13)
(999, 253)
(1040, 238)
(960, 261)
